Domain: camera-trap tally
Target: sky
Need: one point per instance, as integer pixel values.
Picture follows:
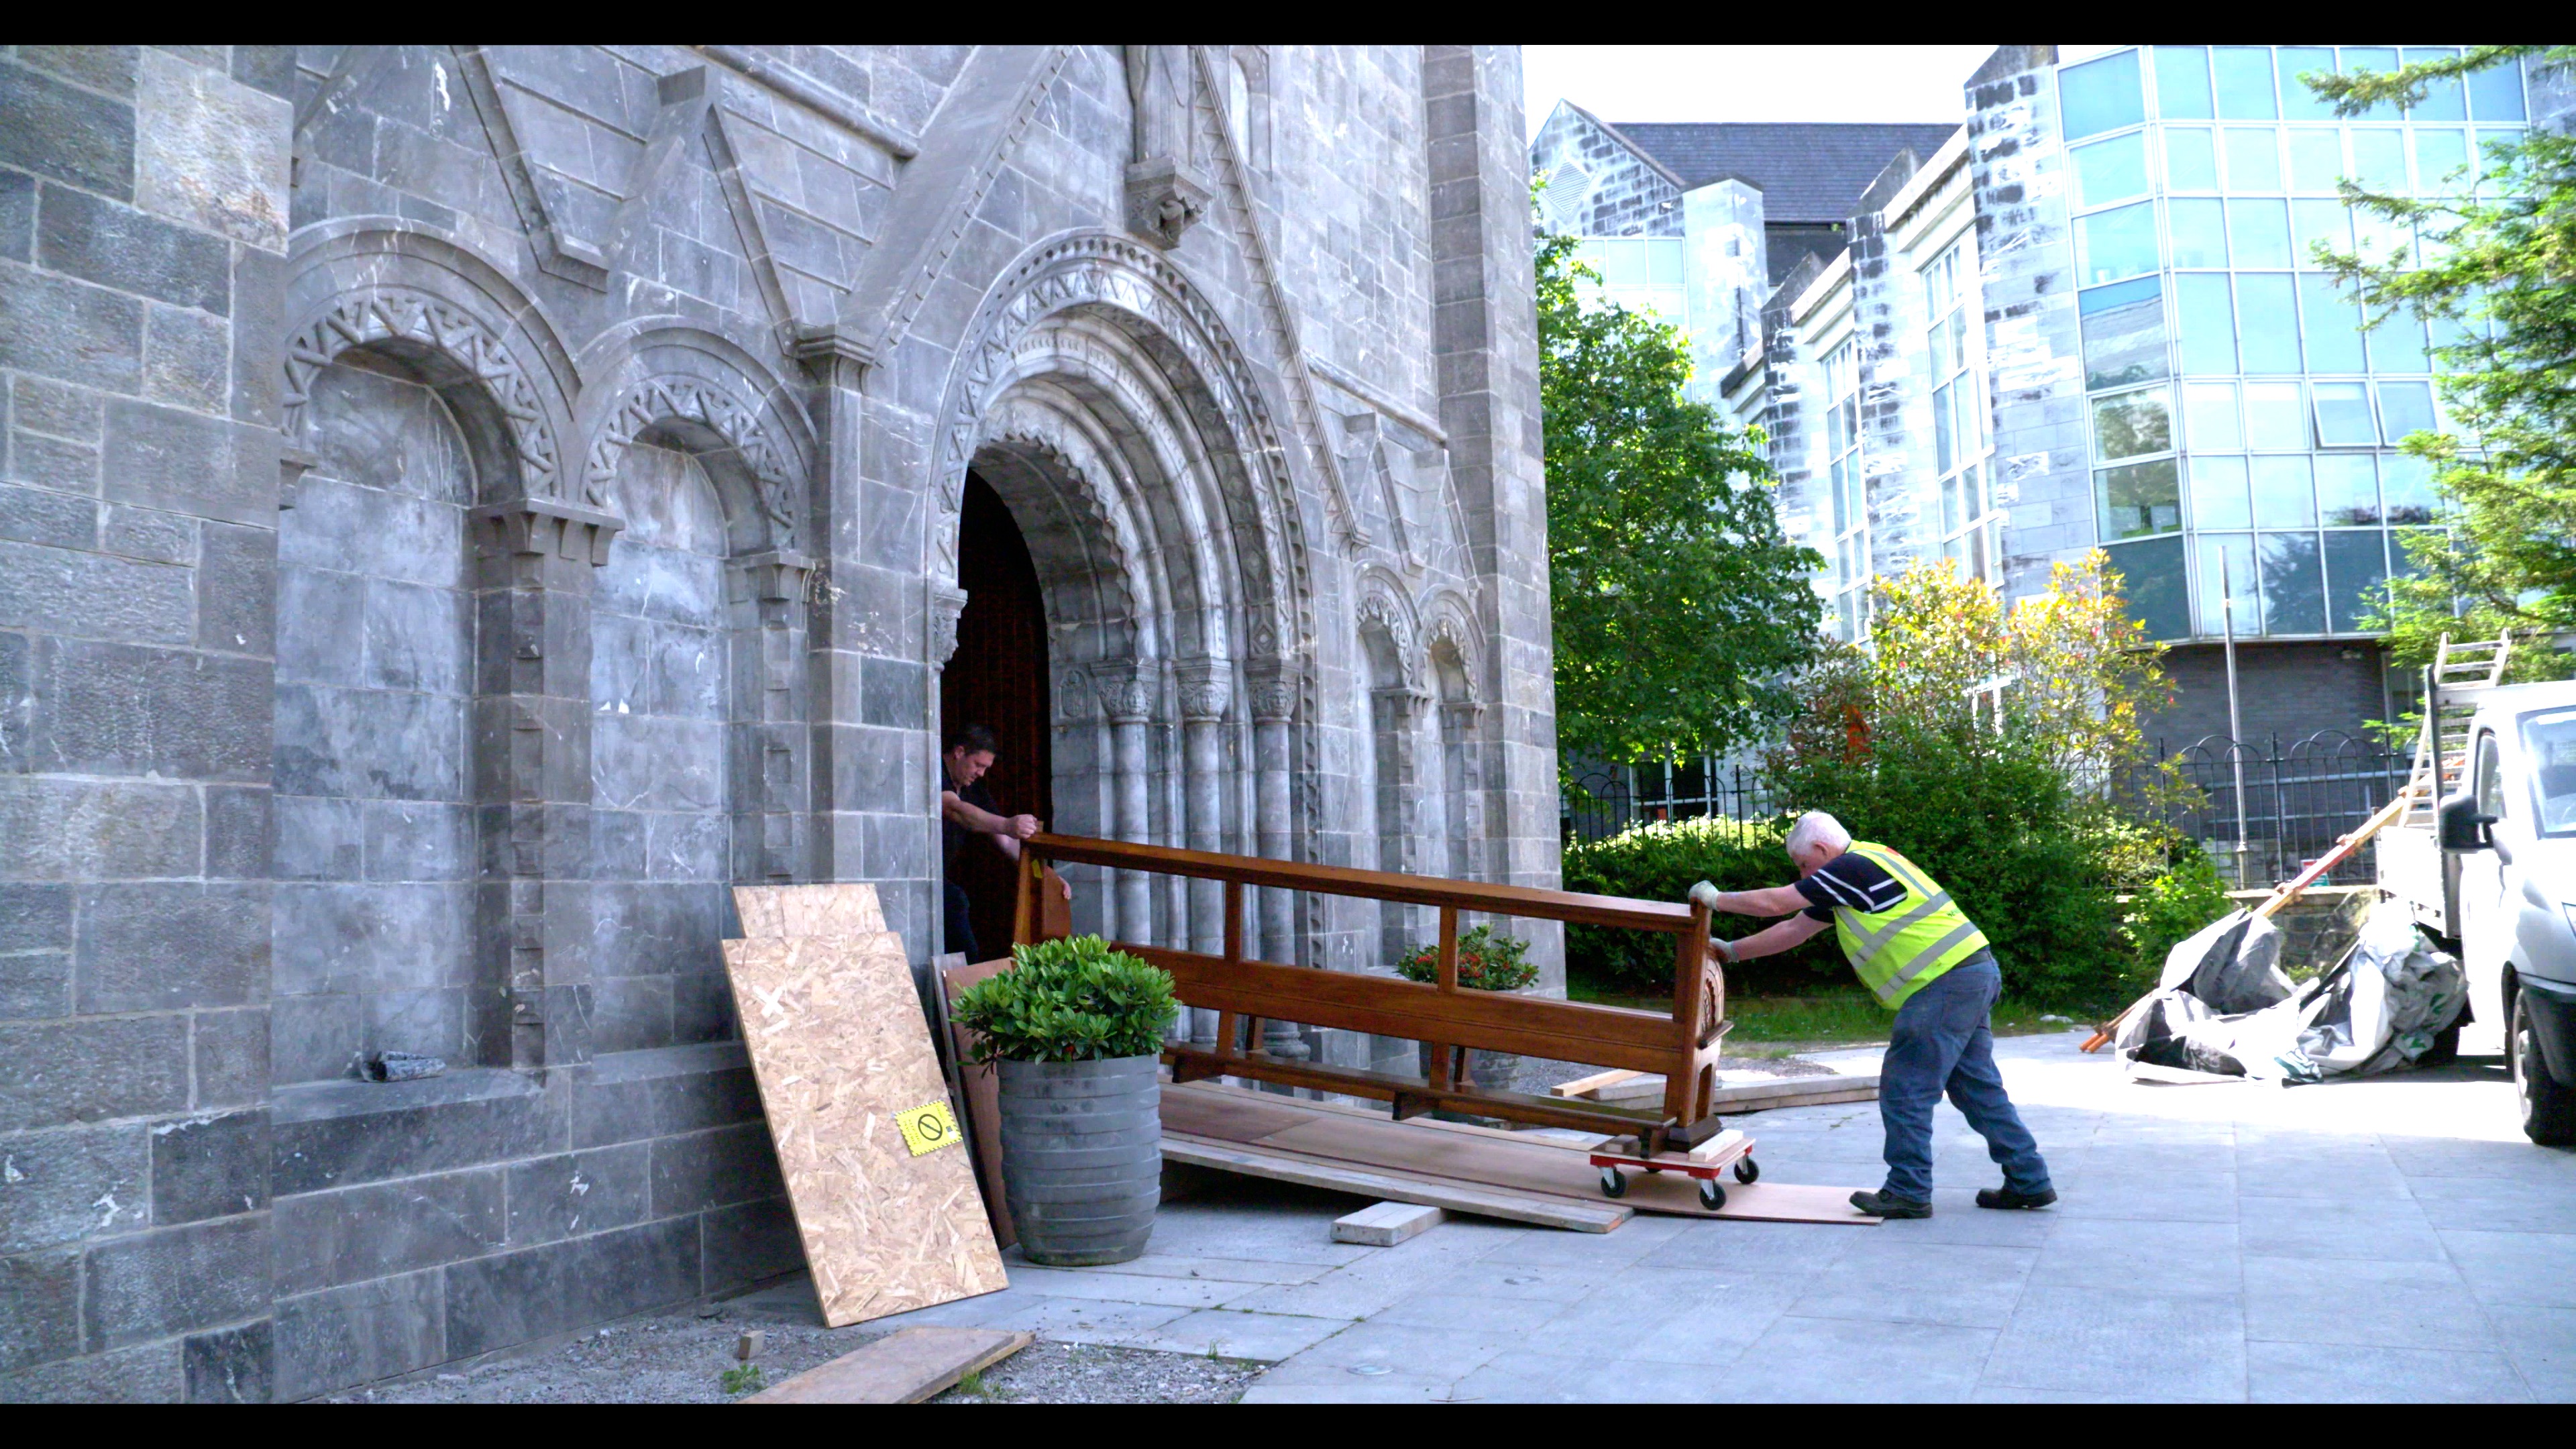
(1751, 82)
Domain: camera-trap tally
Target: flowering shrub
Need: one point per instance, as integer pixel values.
(1486, 962)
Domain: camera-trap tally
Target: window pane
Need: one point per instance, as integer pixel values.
(2191, 160)
(1842, 507)
(2270, 322)
(2298, 103)
(2285, 494)
(2274, 421)
(2218, 493)
(2397, 345)
(2198, 232)
(2320, 221)
(2495, 94)
(2182, 82)
(2132, 424)
(2333, 323)
(2208, 323)
(2139, 498)
(2151, 578)
(2442, 99)
(2406, 489)
(2112, 170)
(2380, 58)
(1942, 447)
(1664, 261)
(2115, 244)
(1945, 354)
(2293, 584)
(2490, 164)
(2379, 159)
(2401, 559)
(1954, 508)
(1623, 261)
(2244, 82)
(2124, 332)
(2347, 489)
(2253, 159)
(2316, 160)
(2209, 417)
(2258, 232)
(2441, 161)
(2356, 564)
(2405, 407)
(2378, 238)
(2227, 571)
(2101, 95)
(2343, 415)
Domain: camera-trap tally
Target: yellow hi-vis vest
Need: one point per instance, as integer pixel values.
(1898, 951)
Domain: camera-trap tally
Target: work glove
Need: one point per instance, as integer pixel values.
(1704, 894)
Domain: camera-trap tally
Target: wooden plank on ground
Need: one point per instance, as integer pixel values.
(844, 908)
(982, 1091)
(839, 1048)
(1591, 1086)
(1740, 1096)
(1383, 1225)
(908, 1366)
(1280, 1165)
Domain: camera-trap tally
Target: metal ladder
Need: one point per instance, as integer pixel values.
(2442, 748)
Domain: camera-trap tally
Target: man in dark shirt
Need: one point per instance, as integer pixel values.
(1923, 958)
(966, 810)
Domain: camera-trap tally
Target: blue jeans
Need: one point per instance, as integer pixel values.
(1943, 1040)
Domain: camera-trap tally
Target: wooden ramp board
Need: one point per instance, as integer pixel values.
(1742, 1096)
(909, 1366)
(1387, 1151)
(849, 908)
(1281, 1165)
(839, 1048)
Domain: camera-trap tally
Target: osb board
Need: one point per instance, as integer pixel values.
(1326, 1132)
(838, 1046)
(844, 909)
(982, 1091)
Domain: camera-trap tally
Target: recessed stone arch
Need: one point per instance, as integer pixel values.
(742, 422)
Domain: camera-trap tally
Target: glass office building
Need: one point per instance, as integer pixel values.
(2241, 415)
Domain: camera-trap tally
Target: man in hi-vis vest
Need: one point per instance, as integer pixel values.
(1926, 961)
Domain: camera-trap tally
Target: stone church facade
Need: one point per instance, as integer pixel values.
(465, 507)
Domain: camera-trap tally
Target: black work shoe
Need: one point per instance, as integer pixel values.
(2006, 1197)
(1882, 1205)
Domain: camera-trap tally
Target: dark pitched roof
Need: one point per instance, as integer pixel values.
(1808, 171)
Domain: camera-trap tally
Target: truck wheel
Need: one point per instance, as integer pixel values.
(2548, 1105)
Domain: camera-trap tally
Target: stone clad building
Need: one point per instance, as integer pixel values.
(466, 506)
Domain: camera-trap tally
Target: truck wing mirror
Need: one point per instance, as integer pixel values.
(2463, 828)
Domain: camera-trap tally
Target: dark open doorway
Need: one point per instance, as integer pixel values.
(998, 678)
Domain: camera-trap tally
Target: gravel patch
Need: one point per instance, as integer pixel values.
(681, 1358)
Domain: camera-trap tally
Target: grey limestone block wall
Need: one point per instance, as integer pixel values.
(467, 506)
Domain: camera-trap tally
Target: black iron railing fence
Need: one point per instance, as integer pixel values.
(2299, 798)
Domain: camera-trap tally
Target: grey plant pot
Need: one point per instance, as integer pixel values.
(1082, 1157)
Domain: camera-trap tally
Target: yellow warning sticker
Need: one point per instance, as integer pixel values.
(926, 1129)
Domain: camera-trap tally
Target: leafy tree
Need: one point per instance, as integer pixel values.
(2493, 270)
(1681, 608)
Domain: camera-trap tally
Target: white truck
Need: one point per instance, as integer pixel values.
(2485, 856)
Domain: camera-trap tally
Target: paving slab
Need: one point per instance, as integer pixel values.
(1446, 1353)
(2352, 1301)
(2542, 1344)
(1892, 1280)
(1527, 1377)
(2392, 1230)
(1825, 1360)
(2518, 1270)
(1689, 1318)
(2120, 1341)
(2150, 1257)
(1267, 1337)
(2315, 1373)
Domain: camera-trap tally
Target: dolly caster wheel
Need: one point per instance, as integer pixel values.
(1614, 1183)
(1712, 1193)
(1747, 1170)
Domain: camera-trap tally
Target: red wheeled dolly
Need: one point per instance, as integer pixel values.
(1709, 1168)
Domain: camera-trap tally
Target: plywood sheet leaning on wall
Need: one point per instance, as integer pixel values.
(846, 909)
(891, 1220)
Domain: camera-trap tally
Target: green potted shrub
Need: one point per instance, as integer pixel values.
(1486, 962)
(1074, 1030)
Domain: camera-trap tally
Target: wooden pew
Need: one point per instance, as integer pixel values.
(1682, 1047)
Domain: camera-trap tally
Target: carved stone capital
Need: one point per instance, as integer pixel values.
(1274, 697)
(1163, 201)
(1459, 716)
(540, 526)
(1126, 694)
(1207, 687)
(833, 355)
(945, 605)
(776, 576)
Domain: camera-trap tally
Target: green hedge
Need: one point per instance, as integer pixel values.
(1660, 863)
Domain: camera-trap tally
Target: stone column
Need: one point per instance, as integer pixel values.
(1206, 689)
(770, 737)
(1458, 719)
(1274, 710)
(1127, 697)
(534, 561)
(836, 608)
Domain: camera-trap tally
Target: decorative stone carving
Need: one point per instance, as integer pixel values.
(946, 604)
(1163, 202)
(545, 526)
(399, 315)
(1274, 700)
(1205, 690)
(693, 400)
(1127, 696)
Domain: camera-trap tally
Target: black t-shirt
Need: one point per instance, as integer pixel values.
(957, 835)
(1850, 882)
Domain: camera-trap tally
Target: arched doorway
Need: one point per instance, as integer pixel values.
(998, 678)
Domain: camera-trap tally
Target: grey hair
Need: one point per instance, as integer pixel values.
(1818, 828)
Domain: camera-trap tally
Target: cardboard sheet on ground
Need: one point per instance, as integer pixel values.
(1513, 1161)
(982, 1091)
(840, 1050)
